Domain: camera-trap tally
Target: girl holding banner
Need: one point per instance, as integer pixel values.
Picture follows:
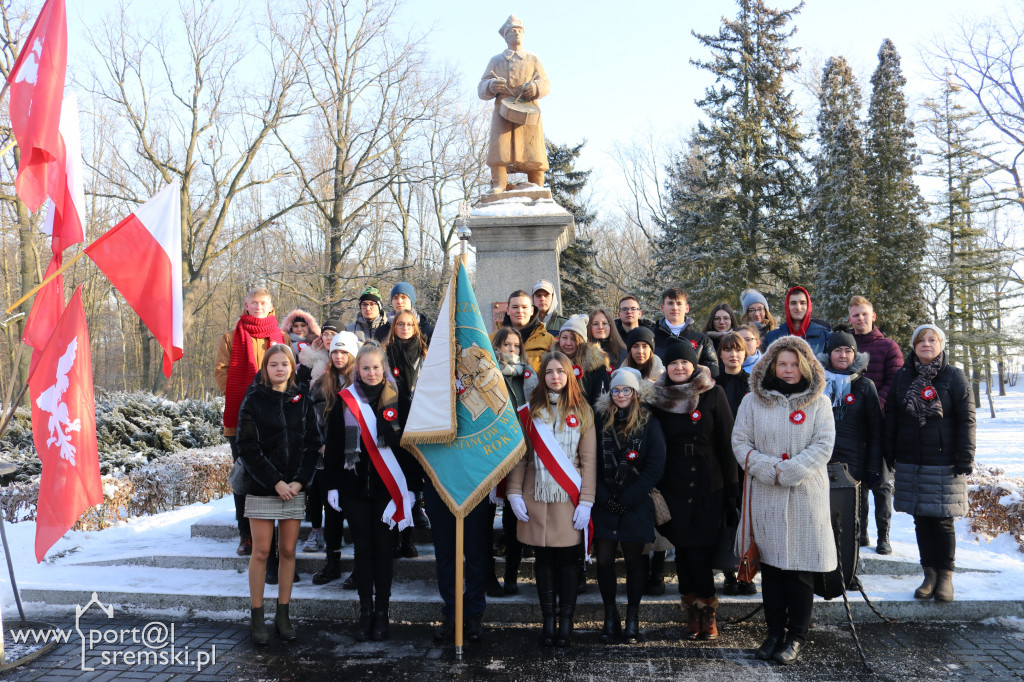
(552, 490)
(367, 470)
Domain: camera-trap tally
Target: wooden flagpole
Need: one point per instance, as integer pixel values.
(46, 280)
(459, 581)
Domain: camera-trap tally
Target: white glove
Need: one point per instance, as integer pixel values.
(519, 508)
(581, 517)
(332, 499)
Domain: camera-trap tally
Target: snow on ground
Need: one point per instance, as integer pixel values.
(1000, 444)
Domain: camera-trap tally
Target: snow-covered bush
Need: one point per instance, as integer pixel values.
(996, 504)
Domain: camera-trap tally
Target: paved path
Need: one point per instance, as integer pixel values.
(326, 651)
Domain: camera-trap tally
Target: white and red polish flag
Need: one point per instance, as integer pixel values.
(64, 428)
(37, 91)
(141, 256)
(66, 208)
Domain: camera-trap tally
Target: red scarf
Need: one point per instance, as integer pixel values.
(801, 330)
(243, 366)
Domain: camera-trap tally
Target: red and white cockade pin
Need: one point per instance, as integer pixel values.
(527, 374)
(798, 417)
(610, 369)
(850, 399)
(390, 414)
(577, 371)
(928, 393)
(695, 415)
(297, 398)
(572, 421)
(394, 370)
(693, 343)
(785, 456)
(632, 455)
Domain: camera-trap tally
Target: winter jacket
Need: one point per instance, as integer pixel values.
(364, 481)
(735, 386)
(536, 340)
(299, 343)
(405, 377)
(550, 523)
(885, 360)
(641, 472)
(790, 513)
(519, 386)
(367, 330)
(700, 473)
(553, 323)
(858, 421)
(594, 376)
(925, 455)
(642, 322)
(277, 438)
(817, 336)
(701, 343)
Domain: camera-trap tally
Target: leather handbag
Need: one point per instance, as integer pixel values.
(750, 556)
(661, 513)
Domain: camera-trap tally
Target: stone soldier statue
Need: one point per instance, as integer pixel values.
(517, 74)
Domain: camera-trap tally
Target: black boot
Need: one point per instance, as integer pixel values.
(656, 577)
(568, 584)
(381, 623)
(631, 633)
(284, 625)
(419, 517)
(545, 577)
(258, 627)
(365, 628)
(612, 624)
(407, 550)
(512, 572)
(789, 654)
(330, 571)
(883, 546)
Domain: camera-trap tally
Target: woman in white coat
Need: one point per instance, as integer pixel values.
(783, 437)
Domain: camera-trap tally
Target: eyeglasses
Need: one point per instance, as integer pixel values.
(624, 392)
(634, 309)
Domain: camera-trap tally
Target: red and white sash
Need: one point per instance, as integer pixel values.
(399, 510)
(558, 464)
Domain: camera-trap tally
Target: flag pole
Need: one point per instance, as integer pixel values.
(459, 580)
(46, 280)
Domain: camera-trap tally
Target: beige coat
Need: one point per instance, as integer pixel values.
(518, 147)
(551, 523)
(791, 515)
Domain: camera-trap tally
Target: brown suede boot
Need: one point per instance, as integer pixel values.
(944, 586)
(708, 624)
(927, 588)
(688, 602)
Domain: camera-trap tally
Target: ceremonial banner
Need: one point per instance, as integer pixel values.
(462, 426)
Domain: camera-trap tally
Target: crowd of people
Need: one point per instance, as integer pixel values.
(665, 432)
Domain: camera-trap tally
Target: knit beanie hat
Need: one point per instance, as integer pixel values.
(346, 341)
(840, 337)
(679, 349)
(578, 324)
(752, 296)
(371, 294)
(640, 335)
(626, 376)
(404, 288)
(924, 327)
(331, 325)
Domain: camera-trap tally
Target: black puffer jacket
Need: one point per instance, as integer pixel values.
(858, 420)
(277, 438)
(735, 386)
(701, 343)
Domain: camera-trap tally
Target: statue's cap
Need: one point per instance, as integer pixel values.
(512, 20)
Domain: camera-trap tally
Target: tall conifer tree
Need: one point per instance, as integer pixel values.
(896, 202)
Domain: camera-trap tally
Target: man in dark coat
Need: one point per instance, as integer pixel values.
(675, 323)
(885, 359)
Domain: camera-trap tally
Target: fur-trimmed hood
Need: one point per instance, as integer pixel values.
(760, 370)
(682, 398)
(857, 367)
(286, 325)
(603, 405)
(590, 356)
(316, 359)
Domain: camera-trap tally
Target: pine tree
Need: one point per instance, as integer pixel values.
(578, 261)
(896, 202)
(843, 241)
(735, 217)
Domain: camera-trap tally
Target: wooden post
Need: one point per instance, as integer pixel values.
(459, 580)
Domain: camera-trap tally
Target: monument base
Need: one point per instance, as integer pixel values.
(518, 242)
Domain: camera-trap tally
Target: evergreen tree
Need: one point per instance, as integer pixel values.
(843, 241)
(734, 213)
(896, 202)
(578, 261)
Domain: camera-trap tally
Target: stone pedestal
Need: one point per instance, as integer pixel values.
(517, 243)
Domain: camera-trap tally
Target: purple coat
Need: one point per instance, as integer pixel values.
(885, 359)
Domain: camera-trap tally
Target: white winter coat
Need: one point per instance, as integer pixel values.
(791, 518)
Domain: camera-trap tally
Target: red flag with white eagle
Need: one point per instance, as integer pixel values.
(64, 428)
(141, 256)
(37, 91)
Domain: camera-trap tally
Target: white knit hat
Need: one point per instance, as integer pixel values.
(626, 376)
(578, 324)
(924, 327)
(346, 341)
